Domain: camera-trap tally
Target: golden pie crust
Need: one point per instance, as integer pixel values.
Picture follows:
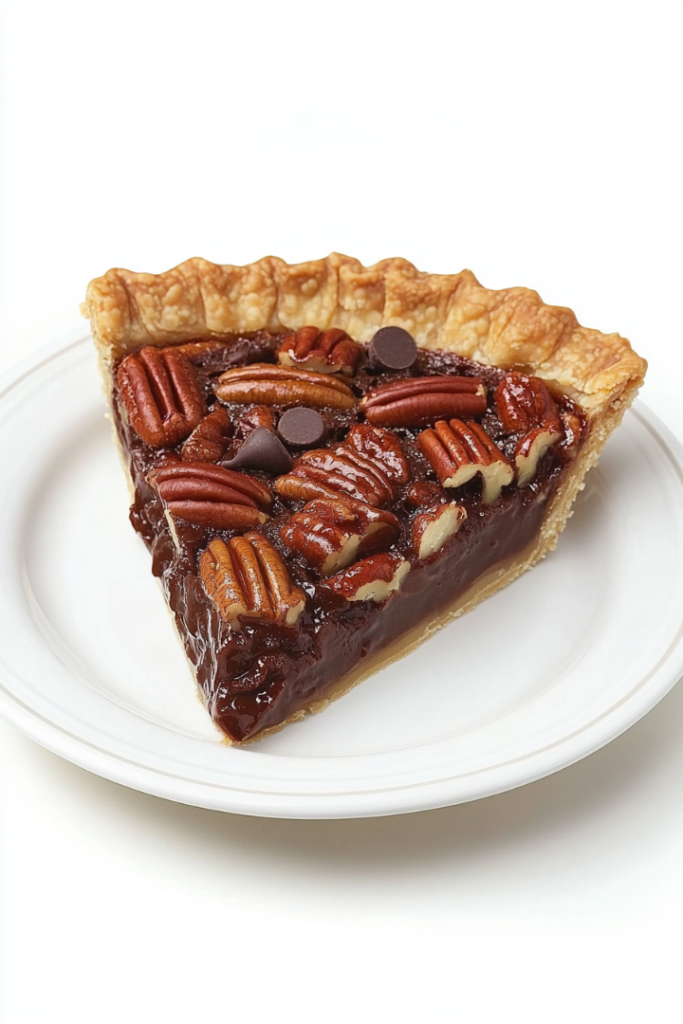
(507, 328)
(511, 328)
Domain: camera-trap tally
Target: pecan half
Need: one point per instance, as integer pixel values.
(373, 579)
(209, 439)
(161, 394)
(259, 416)
(531, 450)
(432, 529)
(339, 471)
(208, 495)
(196, 350)
(572, 426)
(264, 384)
(458, 451)
(246, 578)
(381, 447)
(365, 467)
(331, 533)
(327, 352)
(525, 404)
(419, 401)
(423, 494)
(302, 488)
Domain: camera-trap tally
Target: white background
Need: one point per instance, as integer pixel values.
(538, 144)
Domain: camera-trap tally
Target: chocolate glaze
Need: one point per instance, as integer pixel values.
(255, 677)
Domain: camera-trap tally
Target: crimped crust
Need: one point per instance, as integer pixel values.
(510, 328)
(507, 328)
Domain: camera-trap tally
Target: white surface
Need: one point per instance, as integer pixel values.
(576, 651)
(538, 144)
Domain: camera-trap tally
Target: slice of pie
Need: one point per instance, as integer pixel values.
(328, 461)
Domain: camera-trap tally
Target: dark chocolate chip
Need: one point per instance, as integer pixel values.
(302, 428)
(262, 450)
(392, 348)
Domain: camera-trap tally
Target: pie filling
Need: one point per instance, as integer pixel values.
(308, 501)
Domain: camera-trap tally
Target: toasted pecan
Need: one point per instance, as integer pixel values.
(329, 534)
(329, 351)
(372, 579)
(208, 495)
(431, 529)
(420, 401)
(246, 578)
(264, 384)
(161, 394)
(458, 451)
(525, 404)
(366, 467)
(209, 439)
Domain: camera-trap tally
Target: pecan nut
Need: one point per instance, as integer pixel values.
(330, 534)
(259, 416)
(303, 488)
(365, 467)
(423, 494)
(382, 448)
(572, 426)
(198, 350)
(161, 395)
(372, 579)
(208, 495)
(530, 450)
(433, 528)
(339, 471)
(458, 451)
(327, 352)
(263, 384)
(209, 439)
(246, 578)
(525, 404)
(420, 401)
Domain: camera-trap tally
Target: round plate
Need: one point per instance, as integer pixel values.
(540, 675)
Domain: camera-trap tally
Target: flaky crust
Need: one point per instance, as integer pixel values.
(510, 328)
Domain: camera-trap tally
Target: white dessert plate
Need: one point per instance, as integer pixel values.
(537, 677)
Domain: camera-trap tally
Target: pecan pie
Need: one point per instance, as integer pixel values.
(328, 461)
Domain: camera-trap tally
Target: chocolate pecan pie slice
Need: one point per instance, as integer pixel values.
(329, 460)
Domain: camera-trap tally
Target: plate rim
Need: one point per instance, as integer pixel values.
(403, 798)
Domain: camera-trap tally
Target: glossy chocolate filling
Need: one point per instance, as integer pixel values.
(257, 676)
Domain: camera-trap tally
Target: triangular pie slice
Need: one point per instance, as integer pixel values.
(328, 461)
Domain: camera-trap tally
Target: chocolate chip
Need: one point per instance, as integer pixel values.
(262, 450)
(392, 348)
(302, 428)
